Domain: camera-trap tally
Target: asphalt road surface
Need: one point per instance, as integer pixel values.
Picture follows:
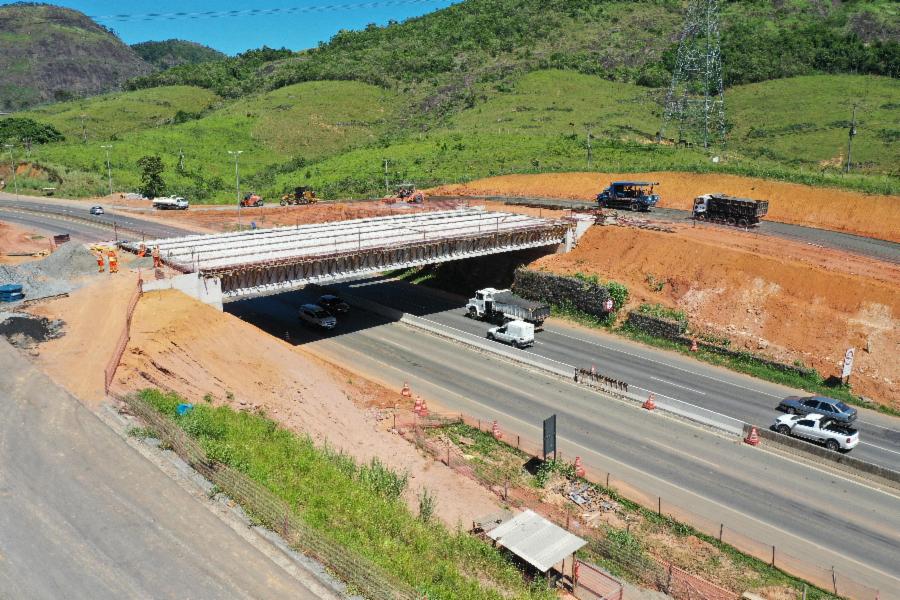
(880, 249)
(84, 515)
(808, 512)
(646, 369)
(69, 217)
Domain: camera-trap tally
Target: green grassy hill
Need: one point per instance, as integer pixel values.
(280, 130)
(172, 53)
(50, 53)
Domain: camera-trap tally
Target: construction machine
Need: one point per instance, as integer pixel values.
(251, 200)
(300, 195)
(406, 192)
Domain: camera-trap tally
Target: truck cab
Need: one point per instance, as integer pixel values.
(637, 196)
(515, 333)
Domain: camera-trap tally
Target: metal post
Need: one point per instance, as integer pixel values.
(387, 188)
(659, 506)
(237, 182)
(721, 528)
(850, 138)
(12, 164)
(83, 130)
(108, 168)
(773, 555)
(834, 580)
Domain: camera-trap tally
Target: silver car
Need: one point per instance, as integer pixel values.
(313, 314)
(96, 210)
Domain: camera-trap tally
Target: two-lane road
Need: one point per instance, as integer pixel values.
(646, 369)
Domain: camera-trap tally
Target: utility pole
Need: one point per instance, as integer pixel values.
(83, 130)
(237, 181)
(108, 147)
(590, 136)
(850, 137)
(387, 189)
(181, 160)
(12, 163)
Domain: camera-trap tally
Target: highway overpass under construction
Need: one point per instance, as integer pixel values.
(235, 266)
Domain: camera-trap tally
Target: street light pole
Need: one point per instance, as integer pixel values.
(12, 164)
(237, 182)
(108, 147)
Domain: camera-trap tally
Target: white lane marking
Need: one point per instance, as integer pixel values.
(879, 447)
(878, 426)
(684, 387)
(665, 364)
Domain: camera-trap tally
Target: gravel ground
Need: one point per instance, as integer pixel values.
(53, 275)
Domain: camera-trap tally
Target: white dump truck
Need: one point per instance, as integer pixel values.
(170, 203)
(499, 306)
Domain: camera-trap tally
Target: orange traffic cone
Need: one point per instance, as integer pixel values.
(495, 431)
(418, 407)
(579, 468)
(423, 410)
(694, 346)
(752, 438)
(406, 392)
(649, 404)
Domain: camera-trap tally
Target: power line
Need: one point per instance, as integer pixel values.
(251, 12)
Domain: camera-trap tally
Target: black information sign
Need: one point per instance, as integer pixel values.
(550, 436)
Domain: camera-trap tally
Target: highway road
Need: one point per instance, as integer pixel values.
(805, 511)
(880, 249)
(646, 369)
(84, 515)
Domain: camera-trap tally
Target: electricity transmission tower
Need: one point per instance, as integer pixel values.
(695, 102)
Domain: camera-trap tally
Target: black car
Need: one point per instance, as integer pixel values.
(822, 405)
(333, 304)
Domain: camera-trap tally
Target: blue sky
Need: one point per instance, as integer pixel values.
(294, 24)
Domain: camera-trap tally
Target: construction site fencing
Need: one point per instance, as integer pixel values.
(593, 584)
(110, 371)
(641, 566)
(359, 573)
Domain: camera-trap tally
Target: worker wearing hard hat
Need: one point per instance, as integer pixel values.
(113, 261)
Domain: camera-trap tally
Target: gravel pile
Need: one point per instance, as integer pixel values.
(52, 275)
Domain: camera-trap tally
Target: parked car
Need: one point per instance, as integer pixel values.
(333, 304)
(819, 429)
(822, 405)
(515, 333)
(96, 210)
(313, 314)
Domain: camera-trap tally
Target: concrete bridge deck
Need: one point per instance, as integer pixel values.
(259, 262)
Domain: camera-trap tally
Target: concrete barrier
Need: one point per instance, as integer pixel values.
(843, 462)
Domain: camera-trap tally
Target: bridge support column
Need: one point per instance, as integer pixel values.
(205, 289)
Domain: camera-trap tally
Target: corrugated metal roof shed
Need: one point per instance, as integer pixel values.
(536, 540)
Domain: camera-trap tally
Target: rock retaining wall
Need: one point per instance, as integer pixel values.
(585, 296)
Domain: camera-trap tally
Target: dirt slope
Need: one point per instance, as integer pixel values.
(823, 208)
(784, 299)
(16, 240)
(191, 348)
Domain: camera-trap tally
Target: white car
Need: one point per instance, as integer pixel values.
(516, 333)
(314, 314)
(820, 429)
(96, 210)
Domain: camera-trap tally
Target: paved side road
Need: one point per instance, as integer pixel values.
(83, 515)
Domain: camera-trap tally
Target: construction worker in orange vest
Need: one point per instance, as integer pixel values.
(156, 261)
(143, 251)
(113, 261)
(100, 264)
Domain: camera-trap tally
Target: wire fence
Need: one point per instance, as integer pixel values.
(640, 565)
(360, 574)
(110, 371)
(592, 583)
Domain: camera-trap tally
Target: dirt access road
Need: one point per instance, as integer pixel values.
(83, 515)
(823, 208)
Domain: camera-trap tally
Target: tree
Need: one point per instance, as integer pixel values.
(13, 129)
(152, 184)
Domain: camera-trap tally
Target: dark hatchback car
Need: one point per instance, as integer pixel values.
(822, 405)
(333, 304)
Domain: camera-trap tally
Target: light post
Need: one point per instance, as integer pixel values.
(108, 147)
(237, 182)
(12, 164)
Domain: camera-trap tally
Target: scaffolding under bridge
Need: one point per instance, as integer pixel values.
(262, 262)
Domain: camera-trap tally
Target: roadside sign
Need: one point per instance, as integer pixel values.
(550, 436)
(848, 362)
(608, 305)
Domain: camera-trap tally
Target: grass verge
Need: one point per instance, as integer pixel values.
(625, 550)
(358, 506)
